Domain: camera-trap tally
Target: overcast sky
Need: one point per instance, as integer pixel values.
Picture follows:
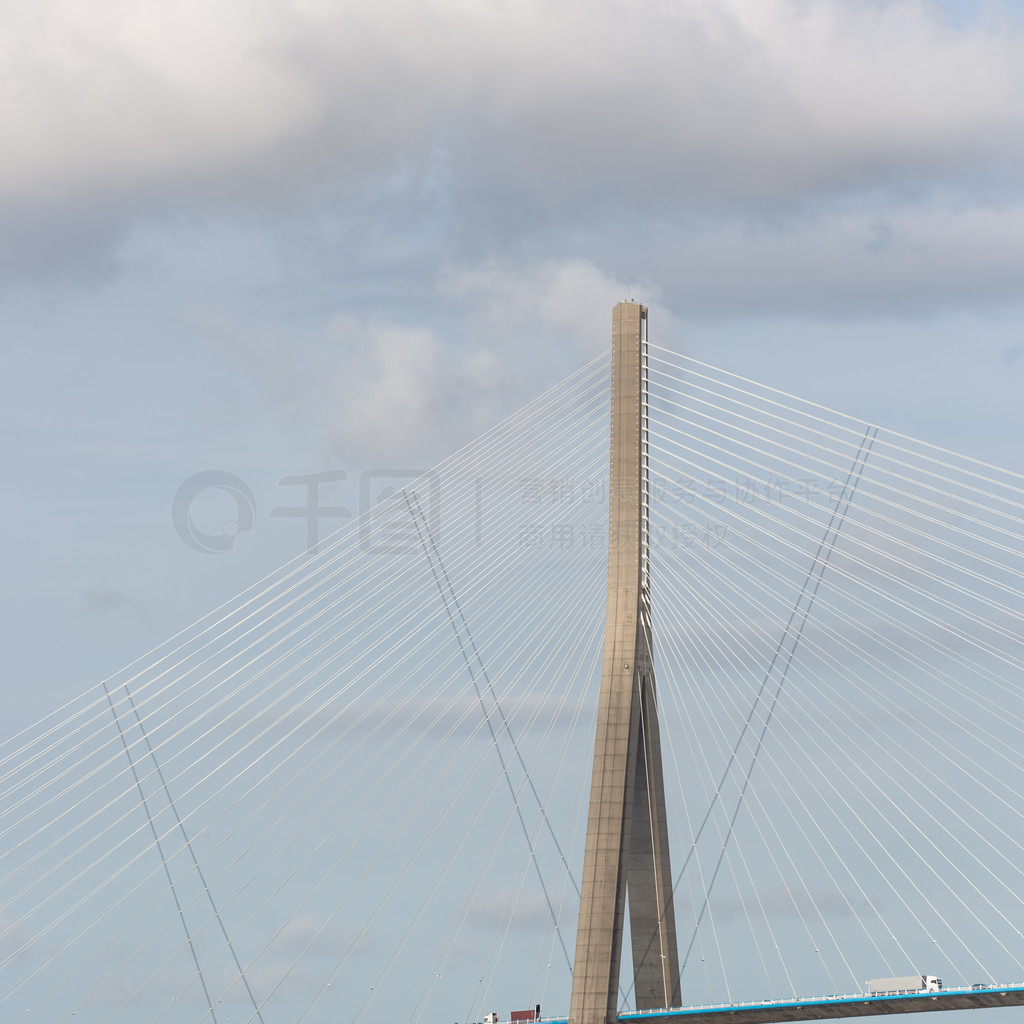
(280, 238)
(276, 238)
(284, 237)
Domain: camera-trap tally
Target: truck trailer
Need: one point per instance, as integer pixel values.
(905, 985)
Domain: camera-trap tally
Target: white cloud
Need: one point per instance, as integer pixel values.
(744, 98)
(402, 390)
(568, 298)
(369, 389)
(114, 95)
(397, 392)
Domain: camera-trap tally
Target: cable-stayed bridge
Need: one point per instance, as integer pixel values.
(359, 790)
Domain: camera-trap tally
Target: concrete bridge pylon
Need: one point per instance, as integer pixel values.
(627, 840)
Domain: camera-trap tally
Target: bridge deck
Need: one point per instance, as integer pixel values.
(828, 1007)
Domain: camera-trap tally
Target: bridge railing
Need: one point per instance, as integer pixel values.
(695, 1008)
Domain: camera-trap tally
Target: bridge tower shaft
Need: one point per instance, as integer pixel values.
(627, 838)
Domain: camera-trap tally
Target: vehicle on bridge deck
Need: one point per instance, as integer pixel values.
(904, 985)
(518, 1016)
(526, 1015)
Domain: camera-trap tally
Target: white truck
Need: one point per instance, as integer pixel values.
(905, 985)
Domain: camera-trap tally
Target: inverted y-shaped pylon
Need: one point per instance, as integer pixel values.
(627, 840)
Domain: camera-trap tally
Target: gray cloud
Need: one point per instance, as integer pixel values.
(755, 99)
(1011, 355)
(437, 716)
(17, 943)
(498, 908)
(103, 600)
(471, 128)
(785, 902)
